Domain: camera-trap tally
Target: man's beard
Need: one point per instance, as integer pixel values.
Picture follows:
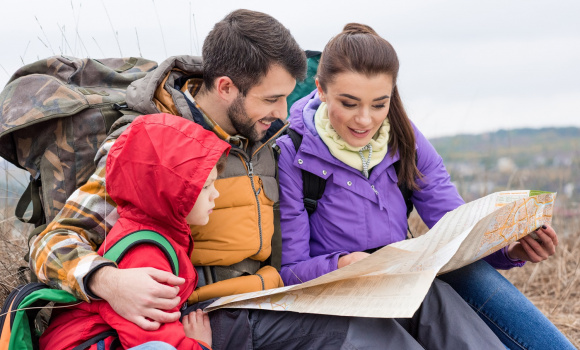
(241, 122)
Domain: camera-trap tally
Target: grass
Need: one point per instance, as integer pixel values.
(13, 233)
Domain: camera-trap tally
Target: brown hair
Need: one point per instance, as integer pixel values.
(221, 163)
(244, 45)
(360, 49)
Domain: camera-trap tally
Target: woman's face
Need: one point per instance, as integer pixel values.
(357, 105)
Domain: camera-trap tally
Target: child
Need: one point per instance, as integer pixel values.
(160, 173)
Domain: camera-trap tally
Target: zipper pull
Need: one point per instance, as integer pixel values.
(378, 197)
(250, 169)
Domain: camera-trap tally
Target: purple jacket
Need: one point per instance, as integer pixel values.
(351, 216)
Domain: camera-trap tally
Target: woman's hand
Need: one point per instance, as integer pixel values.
(197, 326)
(528, 249)
(351, 258)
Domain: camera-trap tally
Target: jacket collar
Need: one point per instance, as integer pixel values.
(161, 89)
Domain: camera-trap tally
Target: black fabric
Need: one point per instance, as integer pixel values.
(31, 195)
(405, 191)
(272, 130)
(445, 321)
(276, 330)
(313, 185)
(96, 339)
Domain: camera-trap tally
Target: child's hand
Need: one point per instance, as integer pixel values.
(196, 326)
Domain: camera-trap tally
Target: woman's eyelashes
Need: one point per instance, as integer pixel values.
(353, 105)
(348, 105)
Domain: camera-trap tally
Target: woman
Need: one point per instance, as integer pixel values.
(354, 129)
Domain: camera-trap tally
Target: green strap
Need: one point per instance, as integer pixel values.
(21, 335)
(119, 249)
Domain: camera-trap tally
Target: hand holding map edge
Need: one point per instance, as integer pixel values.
(534, 249)
(393, 281)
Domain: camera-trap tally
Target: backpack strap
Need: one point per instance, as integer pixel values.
(122, 246)
(31, 194)
(405, 191)
(313, 185)
(97, 338)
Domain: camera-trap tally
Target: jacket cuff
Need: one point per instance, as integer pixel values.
(500, 260)
(333, 260)
(88, 276)
(203, 345)
(515, 262)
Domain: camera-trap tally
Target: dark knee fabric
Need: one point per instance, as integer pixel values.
(377, 333)
(446, 321)
(277, 330)
(289, 330)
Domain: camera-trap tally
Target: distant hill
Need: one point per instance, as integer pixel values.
(526, 147)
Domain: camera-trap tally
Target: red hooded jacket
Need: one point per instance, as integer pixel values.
(155, 172)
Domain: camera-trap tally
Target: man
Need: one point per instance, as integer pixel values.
(251, 64)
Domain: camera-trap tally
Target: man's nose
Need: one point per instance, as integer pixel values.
(281, 111)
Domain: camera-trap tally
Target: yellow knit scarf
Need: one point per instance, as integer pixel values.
(346, 153)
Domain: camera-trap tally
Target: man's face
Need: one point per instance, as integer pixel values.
(252, 115)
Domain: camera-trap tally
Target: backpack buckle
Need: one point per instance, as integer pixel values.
(120, 105)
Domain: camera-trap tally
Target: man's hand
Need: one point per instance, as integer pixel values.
(351, 258)
(138, 294)
(528, 249)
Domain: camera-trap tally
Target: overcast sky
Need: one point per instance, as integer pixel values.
(465, 67)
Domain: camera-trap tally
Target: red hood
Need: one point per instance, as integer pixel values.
(157, 168)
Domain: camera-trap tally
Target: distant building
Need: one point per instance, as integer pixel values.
(506, 165)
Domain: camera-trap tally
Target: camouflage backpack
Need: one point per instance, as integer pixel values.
(54, 115)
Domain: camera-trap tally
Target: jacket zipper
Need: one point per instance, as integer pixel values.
(378, 197)
(251, 176)
(250, 169)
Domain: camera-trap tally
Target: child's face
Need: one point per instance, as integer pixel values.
(199, 214)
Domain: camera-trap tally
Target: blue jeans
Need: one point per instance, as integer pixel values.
(510, 315)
